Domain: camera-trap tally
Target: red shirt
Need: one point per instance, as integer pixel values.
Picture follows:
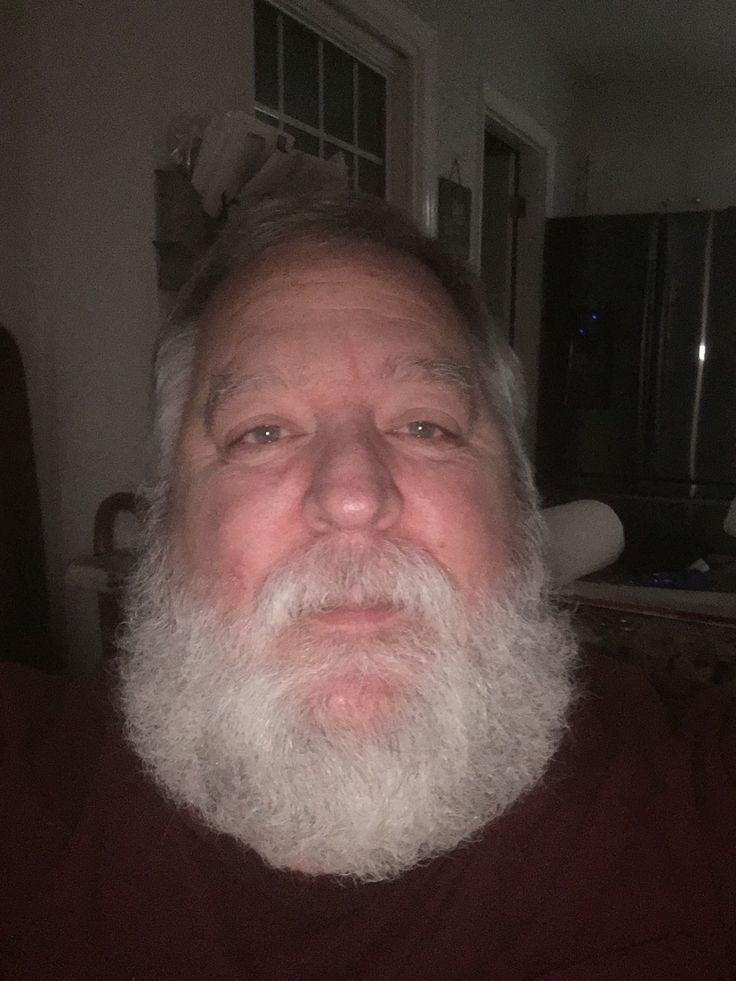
(620, 865)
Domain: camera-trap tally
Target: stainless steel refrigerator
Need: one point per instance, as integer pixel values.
(637, 401)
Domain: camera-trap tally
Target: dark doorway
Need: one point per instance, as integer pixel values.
(502, 207)
(24, 613)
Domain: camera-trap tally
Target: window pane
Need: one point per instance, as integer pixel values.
(303, 141)
(371, 110)
(338, 93)
(300, 72)
(266, 54)
(371, 177)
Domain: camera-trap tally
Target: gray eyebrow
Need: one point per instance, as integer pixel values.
(227, 384)
(448, 371)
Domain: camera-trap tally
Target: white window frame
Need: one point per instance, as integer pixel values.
(366, 29)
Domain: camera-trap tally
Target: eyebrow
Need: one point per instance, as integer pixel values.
(448, 371)
(458, 376)
(227, 384)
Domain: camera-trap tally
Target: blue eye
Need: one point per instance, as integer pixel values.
(262, 435)
(422, 429)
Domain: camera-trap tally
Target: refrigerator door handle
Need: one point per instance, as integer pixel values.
(702, 351)
(649, 310)
(663, 330)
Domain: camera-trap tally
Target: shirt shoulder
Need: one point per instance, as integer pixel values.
(634, 710)
(682, 747)
(687, 712)
(705, 725)
(52, 732)
(50, 721)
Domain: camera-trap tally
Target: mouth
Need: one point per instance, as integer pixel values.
(356, 616)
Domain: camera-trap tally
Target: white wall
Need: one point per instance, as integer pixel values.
(93, 84)
(669, 138)
(490, 40)
(501, 44)
(17, 274)
(96, 84)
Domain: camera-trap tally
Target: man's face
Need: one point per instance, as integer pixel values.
(330, 656)
(335, 400)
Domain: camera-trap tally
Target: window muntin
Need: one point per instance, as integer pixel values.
(330, 101)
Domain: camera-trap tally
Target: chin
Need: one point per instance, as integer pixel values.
(356, 702)
(350, 679)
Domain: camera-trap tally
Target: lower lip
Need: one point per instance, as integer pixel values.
(353, 616)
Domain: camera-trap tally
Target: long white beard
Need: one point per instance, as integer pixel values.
(235, 716)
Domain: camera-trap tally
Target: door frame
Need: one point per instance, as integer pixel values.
(538, 151)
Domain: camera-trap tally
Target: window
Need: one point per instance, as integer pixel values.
(330, 101)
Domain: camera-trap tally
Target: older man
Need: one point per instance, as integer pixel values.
(346, 740)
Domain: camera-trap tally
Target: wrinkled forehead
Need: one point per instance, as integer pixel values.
(299, 283)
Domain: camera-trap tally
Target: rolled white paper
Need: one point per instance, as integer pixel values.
(729, 525)
(582, 537)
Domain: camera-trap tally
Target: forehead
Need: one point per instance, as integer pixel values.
(299, 301)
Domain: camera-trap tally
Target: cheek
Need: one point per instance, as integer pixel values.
(235, 532)
(465, 523)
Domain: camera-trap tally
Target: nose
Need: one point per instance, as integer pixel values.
(351, 487)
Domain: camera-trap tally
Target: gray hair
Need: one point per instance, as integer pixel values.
(328, 221)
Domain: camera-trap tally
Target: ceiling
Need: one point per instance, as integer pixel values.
(634, 40)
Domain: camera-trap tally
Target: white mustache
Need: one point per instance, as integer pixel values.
(325, 577)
